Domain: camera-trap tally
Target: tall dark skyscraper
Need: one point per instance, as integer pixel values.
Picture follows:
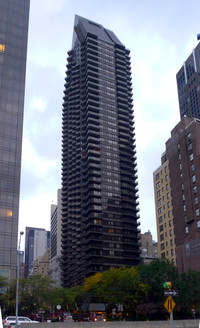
(99, 174)
(188, 84)
(14, 16)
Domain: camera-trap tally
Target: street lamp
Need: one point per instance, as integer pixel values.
(17, 287)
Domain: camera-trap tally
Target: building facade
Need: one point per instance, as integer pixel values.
(14, 16)
(41, 265)
(188, 85)
(164, 211)
(183, 156)
(55, 249)
(37, 241)
(99, 173)
(149, 248)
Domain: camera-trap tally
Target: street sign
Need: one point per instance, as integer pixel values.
(169, 304)
(170, 292)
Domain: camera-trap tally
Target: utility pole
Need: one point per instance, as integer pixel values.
(17, 287)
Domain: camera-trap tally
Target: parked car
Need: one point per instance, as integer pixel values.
(10, 321)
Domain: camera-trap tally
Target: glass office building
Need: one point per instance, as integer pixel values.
(188, 85)
(14, 16)
(99, 173)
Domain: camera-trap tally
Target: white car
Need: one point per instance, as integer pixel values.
(10, 321)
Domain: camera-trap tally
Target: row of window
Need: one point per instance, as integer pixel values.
(161, 229)
(160, 173)
(160, 210)
(158, 184)
(162, 247)
(159, 201)
(198, 226)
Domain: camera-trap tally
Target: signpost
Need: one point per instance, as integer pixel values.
(169, 303)
(170, 292)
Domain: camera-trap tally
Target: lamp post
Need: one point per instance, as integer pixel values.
(17, 287)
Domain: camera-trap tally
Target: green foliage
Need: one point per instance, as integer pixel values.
(35, 293)
(3, 290)
(155, 274)
(189, 290)
(117, 286)
(138, 289)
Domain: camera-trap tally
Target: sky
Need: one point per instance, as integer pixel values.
(160, 34)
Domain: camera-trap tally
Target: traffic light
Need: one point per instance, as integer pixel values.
(167, 285)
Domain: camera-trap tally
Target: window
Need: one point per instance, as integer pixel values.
(183, 197)
(167, 187)
(162, 246)
(166, 178)
(170, 232)
(160, 219)
(97, 221)
(186, 230)
(162, 237)
(168, 204)
(184, 208)
(165, 169)
(172, 252)
(198, 224)
(192, 167)
(160, 210)
(196, 200)
(170, 223)
(158, 185)
(195, 189)
(191, 157)
(163, 255)
(161, 228)
(180, 166)
(197, 212)
(169, 214)
(159, 202)
(190, 146)
(167, 195)
(185, 218)
(171, 242)
(182, 186)
(193, 178)
(189, 135)
(179, 155)
(158, 193)
(157, 176)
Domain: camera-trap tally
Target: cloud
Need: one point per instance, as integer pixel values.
(41, 166)
(38, 104)
(160, 35)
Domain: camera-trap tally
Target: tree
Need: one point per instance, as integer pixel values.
(3, 291)
(35, 293)
(188, 287)
(116, 286)
(154, 275)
